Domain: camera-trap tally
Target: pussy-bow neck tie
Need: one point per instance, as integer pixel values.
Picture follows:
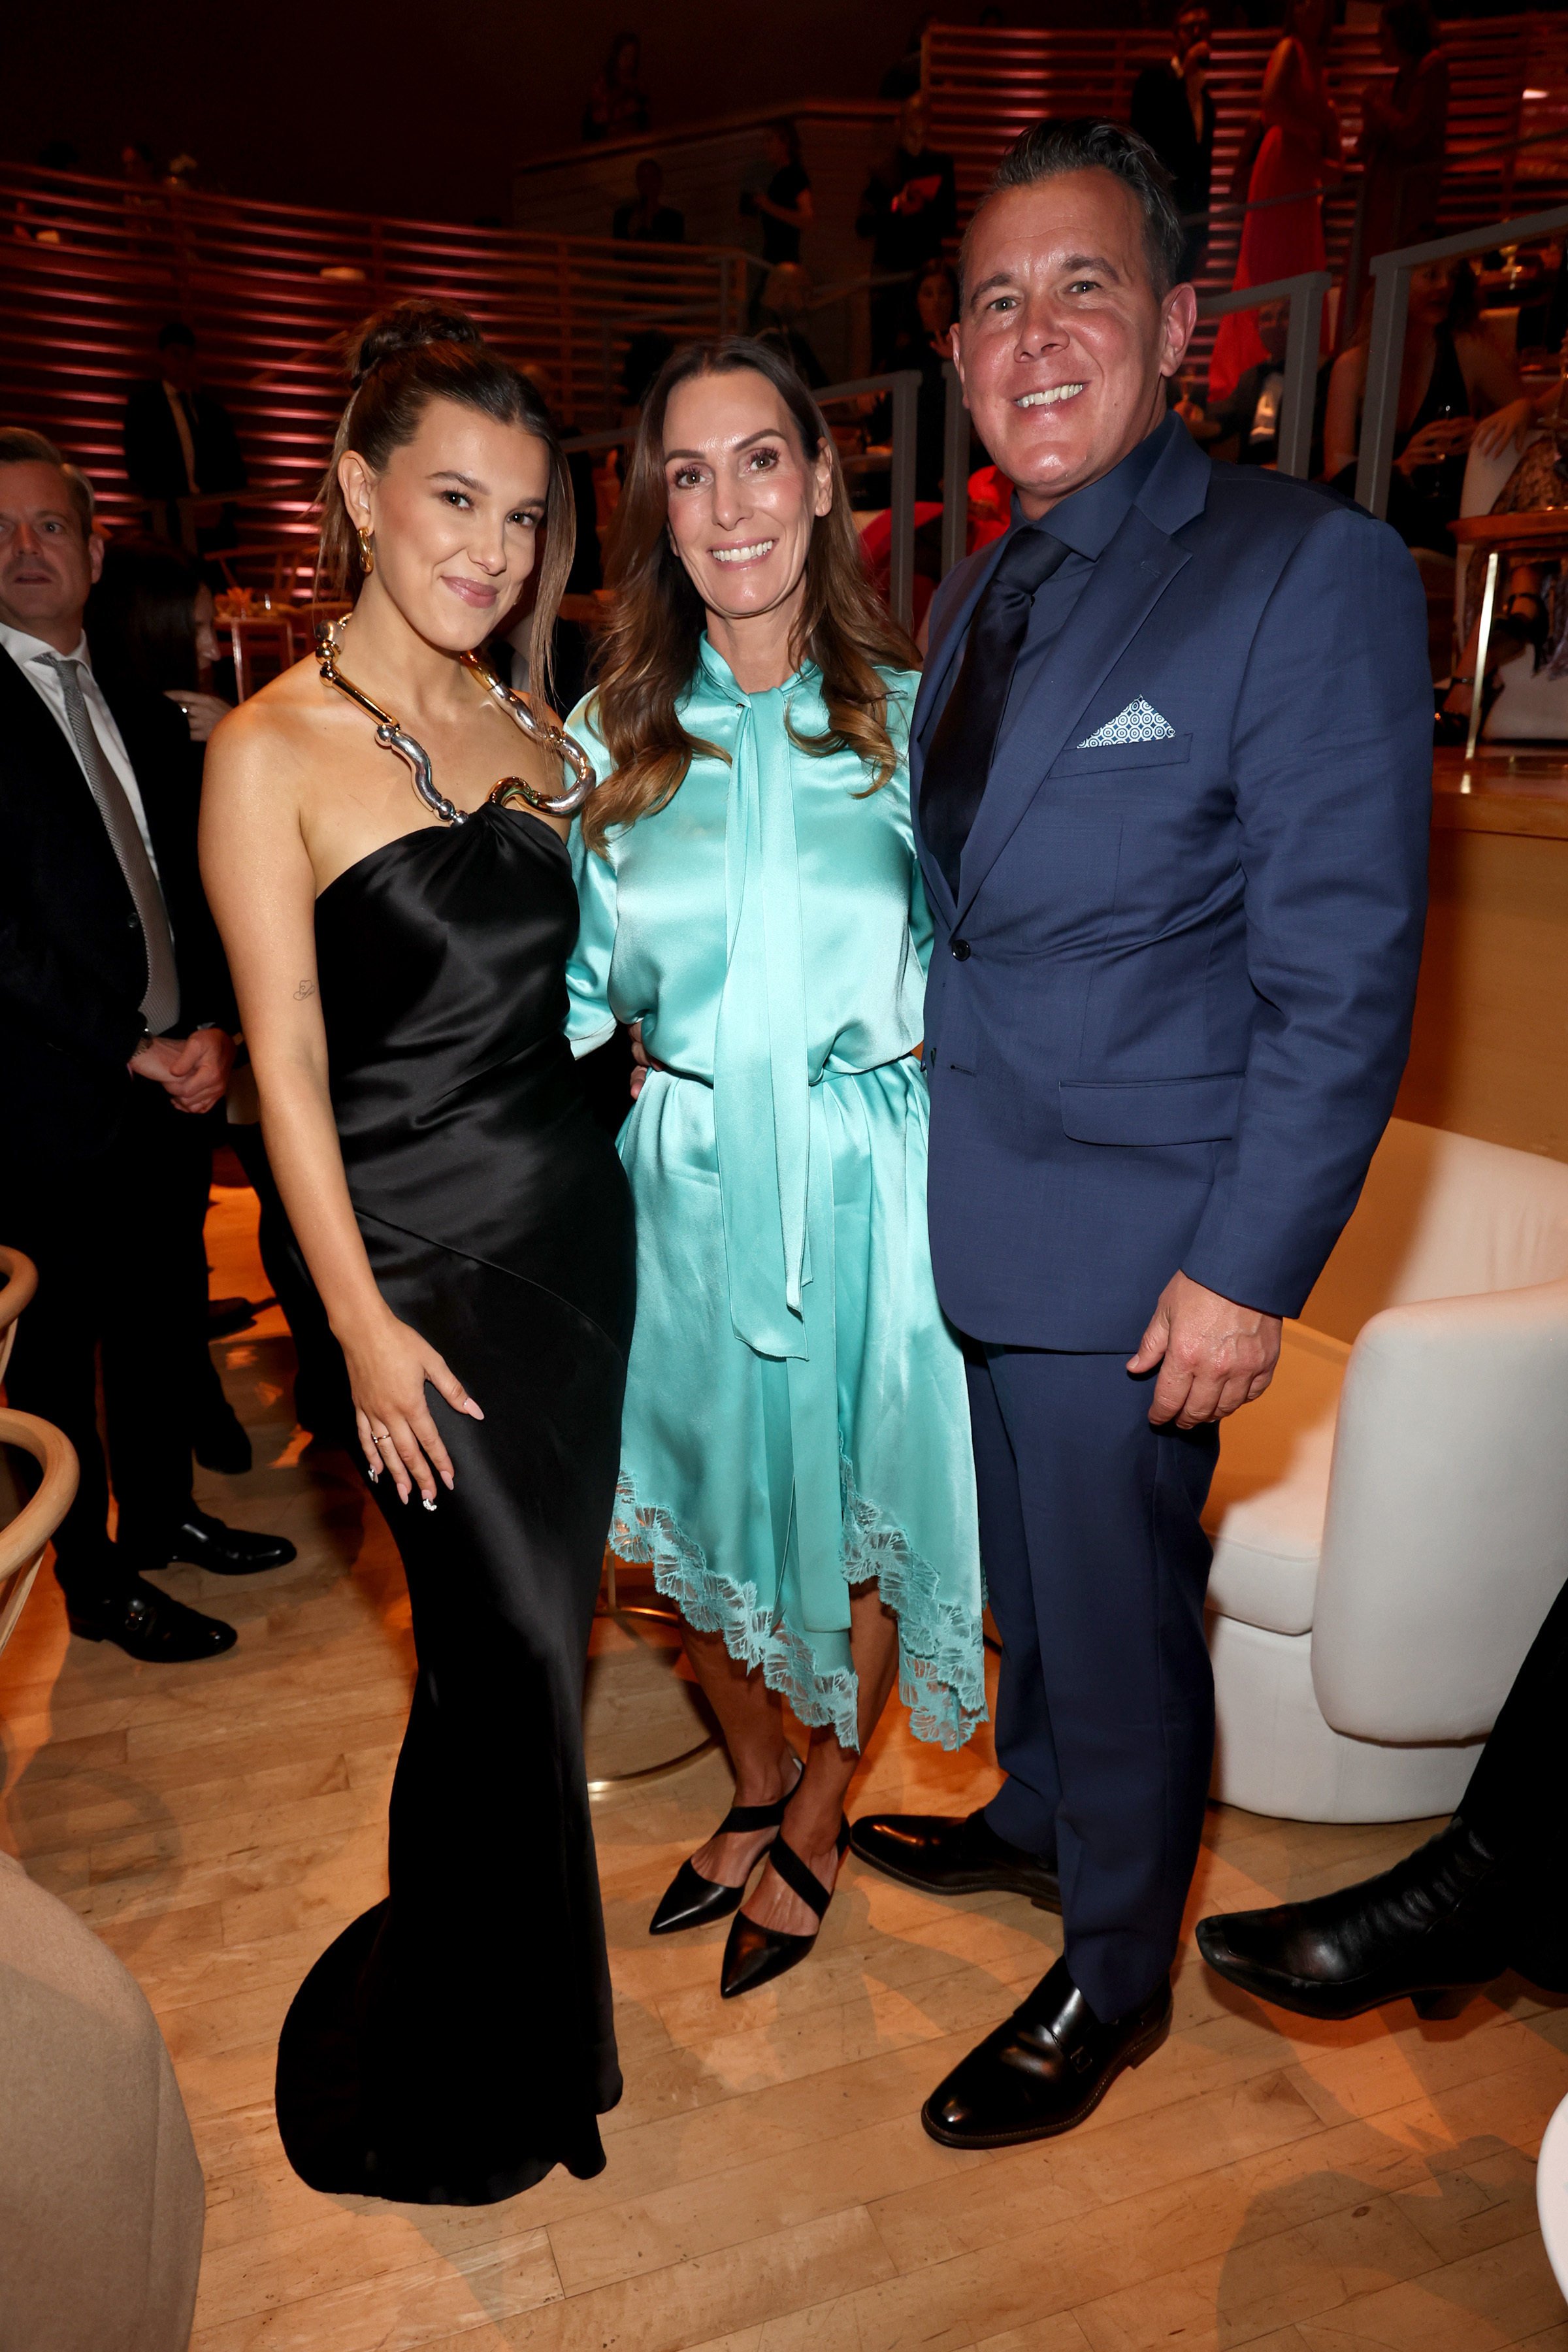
(776, 1168)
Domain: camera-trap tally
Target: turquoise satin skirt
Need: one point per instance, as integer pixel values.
(727, 1453)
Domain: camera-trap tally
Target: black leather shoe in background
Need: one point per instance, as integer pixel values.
(147, 1624)
(206, 1543)
(221, 1442)
(1430, 1928)
(1045, 2070)
(944, 1854)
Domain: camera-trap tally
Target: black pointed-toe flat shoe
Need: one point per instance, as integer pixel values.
(1430, 1930)
(692, 1901)
(1045, 2070)
(943, 1854)
(754, 1955)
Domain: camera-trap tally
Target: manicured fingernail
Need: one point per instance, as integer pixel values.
(447, 1480)
(373, 1475)
(471, 1409)
(430, 1502)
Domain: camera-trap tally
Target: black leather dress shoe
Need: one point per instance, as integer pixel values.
(220, 1441)
(206, 1543)
(147, 1625)
(1430, 1929)
(1044, 2071)
(943, 1854)
(228, 1316)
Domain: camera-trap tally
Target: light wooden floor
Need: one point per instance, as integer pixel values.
(769, 2189)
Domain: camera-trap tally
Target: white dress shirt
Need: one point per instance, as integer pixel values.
(35, 659)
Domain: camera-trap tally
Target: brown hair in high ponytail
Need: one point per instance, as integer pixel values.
(400, 362)
(648, 652)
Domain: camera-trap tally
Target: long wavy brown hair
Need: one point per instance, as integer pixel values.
(649, 650)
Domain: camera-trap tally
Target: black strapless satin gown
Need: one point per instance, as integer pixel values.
(456, 2042)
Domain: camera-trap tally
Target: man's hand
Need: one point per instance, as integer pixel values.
(193, 1071)
(1213, 1355)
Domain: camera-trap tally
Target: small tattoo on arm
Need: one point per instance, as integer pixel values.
(306, 988)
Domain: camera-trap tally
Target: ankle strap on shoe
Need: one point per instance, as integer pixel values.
(753, 1817)
(800, 1879)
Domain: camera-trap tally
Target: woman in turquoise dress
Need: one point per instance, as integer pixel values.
(795, 1455)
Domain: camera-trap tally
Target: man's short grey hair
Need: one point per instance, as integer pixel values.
(18, 446)
(1083, 143)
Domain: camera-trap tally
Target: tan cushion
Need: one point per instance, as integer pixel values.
(101, 2200)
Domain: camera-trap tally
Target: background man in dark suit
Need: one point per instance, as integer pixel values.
(1172, 109)
(909, 205)
(1171, 762)
(114, 1005)
(179, 443)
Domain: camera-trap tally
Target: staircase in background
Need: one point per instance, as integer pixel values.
(90, 269)
(987, 85)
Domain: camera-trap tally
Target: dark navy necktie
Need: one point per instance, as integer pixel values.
(959, 758)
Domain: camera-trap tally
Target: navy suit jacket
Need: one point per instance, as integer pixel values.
(1168, 1012)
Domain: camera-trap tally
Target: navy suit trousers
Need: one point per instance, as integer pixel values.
(1097, 1566)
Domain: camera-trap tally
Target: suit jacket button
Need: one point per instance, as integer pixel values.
(961, 951)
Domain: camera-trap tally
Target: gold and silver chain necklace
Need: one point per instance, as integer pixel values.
(392, 737)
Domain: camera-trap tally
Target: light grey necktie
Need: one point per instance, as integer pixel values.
(161, 1004)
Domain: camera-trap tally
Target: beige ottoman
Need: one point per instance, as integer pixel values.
(101, 2198)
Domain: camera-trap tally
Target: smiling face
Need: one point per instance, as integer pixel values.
(744, 495)
(454, 521)
(1063, 342)
(47, 564)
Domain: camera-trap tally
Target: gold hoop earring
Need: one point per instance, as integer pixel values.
(366, 557)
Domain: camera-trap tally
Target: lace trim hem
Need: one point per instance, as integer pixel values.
(941, 1668)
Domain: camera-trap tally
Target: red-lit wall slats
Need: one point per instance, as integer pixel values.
(90, 270)
(986, 85)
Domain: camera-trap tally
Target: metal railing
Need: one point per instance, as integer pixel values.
(1390, 275)
(1306, 296)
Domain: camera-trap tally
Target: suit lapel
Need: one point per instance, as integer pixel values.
(32, 740)
(37, 761)
(1127, 581)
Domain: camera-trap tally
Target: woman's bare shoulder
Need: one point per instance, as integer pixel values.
(272, 733)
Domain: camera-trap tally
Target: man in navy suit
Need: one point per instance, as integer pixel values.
(1172, 761)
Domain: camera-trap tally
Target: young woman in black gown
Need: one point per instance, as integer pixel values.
(398, 925)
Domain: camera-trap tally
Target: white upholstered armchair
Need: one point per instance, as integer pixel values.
(1391, 1519)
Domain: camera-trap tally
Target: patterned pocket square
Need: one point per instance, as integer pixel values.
(1139, 723)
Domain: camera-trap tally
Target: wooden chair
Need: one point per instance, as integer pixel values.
(21, 1541)
(101, 2198)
